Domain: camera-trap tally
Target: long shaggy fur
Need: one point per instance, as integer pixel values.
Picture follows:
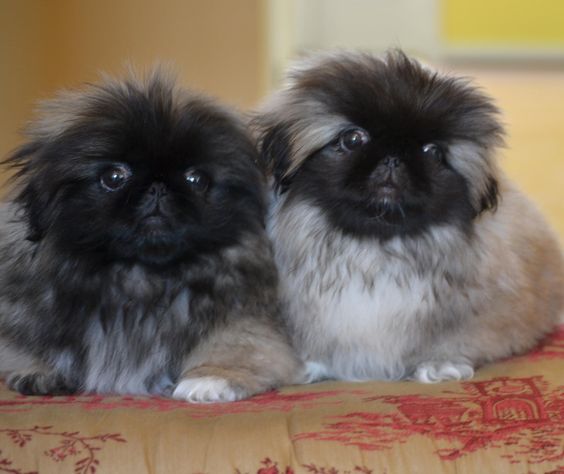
(404, 251)
(133, 256)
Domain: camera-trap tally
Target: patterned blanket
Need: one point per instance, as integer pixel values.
(509, 418)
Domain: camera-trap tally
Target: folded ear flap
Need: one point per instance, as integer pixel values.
(39, 211)
(37, 202)
(490, 196)
(275, 155)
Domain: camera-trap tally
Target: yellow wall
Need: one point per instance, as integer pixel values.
(216, 46)
(532, 104)
(503, 22)
(25, 69)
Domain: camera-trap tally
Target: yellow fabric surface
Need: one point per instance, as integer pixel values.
(509, 418)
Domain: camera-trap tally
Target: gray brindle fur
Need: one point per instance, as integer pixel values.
(160, 280)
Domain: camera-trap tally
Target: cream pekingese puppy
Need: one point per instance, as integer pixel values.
(404, 250)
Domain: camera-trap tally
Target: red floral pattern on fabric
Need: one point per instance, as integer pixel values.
(65, 445)
(272, 401)
(523, 416)
(7, 466)
(271, 467)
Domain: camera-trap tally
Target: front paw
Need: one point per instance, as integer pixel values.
(432, 372)
(208, 389)
(315, 372)
(39, 383)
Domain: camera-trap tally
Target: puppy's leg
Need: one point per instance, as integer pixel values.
(209, 384)
(236, 361)
(13, 359)
(485, 339)
(41, 383)
(28, 376)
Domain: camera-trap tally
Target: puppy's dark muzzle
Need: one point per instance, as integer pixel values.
(385, 182)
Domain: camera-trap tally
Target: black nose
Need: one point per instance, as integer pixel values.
(391, 162)
(157, 190)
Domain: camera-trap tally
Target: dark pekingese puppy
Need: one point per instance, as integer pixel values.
(133, 258)
(404, 251)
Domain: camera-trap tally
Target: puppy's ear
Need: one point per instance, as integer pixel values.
(37, 202)
(275, 155)
(39, 211)
(490, 196)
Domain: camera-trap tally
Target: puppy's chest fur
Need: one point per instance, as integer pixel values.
(135, 342)
(123, 330)
(357, 308)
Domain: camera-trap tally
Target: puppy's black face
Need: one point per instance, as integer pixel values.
(376, 180)
(409, 152)
(142, 176)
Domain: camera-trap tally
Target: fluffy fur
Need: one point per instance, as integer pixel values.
(403, 249)
(133, 257)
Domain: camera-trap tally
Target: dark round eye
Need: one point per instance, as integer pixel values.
(433, 151)
(353, 139)
(197, 180)
(115, 177)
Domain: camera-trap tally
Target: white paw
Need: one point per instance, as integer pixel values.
(315, 371)
(205, 390)
(432, 372)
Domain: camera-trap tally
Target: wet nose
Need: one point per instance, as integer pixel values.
(391, 162)
(157, 190)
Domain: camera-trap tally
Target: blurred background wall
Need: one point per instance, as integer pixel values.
(238, 50)
(216, 46)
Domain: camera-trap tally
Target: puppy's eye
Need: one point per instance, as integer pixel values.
(115, 177)
(353, 139)
(433, 151)
(197, 180)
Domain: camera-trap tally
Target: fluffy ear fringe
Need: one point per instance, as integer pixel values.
(490, 197)
(289, 135)
(275, 154)
(37, 207)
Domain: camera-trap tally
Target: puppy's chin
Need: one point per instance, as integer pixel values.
(389, 213)
(159, 253)
(157, 250)
(385, 203)
(377, 210)
(387, 194)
